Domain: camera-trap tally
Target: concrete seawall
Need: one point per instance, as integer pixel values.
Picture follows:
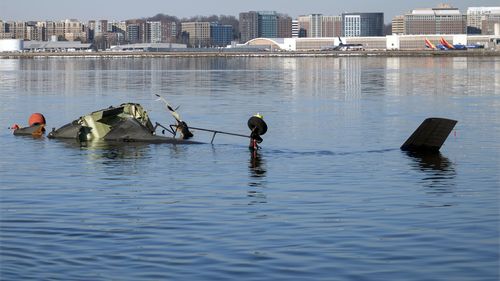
(421, 53)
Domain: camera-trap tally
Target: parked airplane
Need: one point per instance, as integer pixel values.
(348, 47)
(445, 45)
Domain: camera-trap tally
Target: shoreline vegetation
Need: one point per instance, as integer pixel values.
(184, 54)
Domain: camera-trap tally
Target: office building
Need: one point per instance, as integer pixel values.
(441, 20)
(362, 24)
(477, 16)
(331, 26)
(136, 30)
(249, 26)
(268, 24)
(198, 32)
(315, 21)
(74, 30)
(153, 32)
(398, 25)
(169, 31)
(295, 28)
(284, 26)
(221, 35)
(304, 25)
(317, 25)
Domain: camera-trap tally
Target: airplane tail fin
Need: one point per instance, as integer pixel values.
(430, 135)
(446, 43)
(429, 44)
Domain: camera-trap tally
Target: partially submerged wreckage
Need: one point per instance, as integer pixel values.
(129, 122)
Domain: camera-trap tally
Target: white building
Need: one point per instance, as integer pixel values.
(295, 28)
(476, 15)
(11, 45)
(154, 31)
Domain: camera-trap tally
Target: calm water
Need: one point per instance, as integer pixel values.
(330, 196)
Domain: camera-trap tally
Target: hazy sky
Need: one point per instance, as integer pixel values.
(121, 10)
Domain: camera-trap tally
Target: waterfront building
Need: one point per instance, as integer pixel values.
(249, 26)
(268, 24)
(101, 27)
(153, 32)
(74, 30)
(198, 32)
(477, 15)
(331, 26)
(375, 43)
(491, 25)
(221, 35)
(34, 31)
(284, 26)
(304, 26)
(17, 29)
(441, 20)
(148, 47)
(317, 25)
(481, 20)
(135, 31)
(398, 25)
(4, 30)
(295, 28)
(90, 28)
(362, 24)
(169, 31)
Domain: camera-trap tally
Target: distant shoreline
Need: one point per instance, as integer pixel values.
(180, 54)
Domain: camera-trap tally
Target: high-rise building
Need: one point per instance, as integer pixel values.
(249, 26)
(304, 25)
(477, 15)
(101, 27)
(169, 31)
(398, 25)
(295, 28)
(199, 33)
(441, 20)
(362, 24)
(221, 35)
(284, 26)
(331, 26)
(5, 30)
(17, 29)
(136, 31)
(489, 23)
(317, 25)
(153, 32)
(74, 30)
(268, 24)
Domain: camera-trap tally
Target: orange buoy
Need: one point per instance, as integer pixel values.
(36, 119)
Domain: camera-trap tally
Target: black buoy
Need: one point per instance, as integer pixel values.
(258, 127)
(257, 123)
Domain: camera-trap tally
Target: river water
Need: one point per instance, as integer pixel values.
(329, 196)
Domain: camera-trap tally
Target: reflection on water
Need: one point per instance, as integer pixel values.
(257, 165)
(257, 168)
(438, 170)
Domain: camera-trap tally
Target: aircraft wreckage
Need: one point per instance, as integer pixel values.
(129, 122)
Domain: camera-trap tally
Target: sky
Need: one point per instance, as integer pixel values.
(121, 10)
